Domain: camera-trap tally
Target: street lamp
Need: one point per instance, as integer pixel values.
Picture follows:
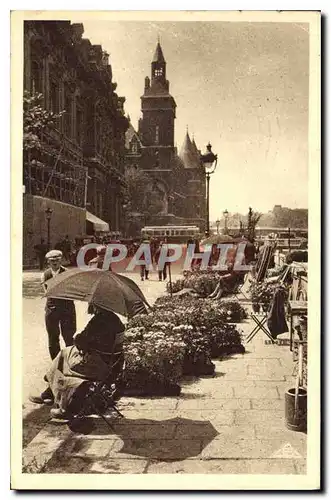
(218, 226)
(209, 162)
(226, 215)
(48, 213)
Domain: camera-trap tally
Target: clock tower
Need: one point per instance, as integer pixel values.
(158, 107)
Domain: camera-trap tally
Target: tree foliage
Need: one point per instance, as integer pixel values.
(139, 194)
(252, 221)
(36, 119)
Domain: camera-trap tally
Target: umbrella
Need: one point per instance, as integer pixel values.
(105, 289)
(216, 239)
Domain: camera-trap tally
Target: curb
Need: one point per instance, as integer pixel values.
(42, 448)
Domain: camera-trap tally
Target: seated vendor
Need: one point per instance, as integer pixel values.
(97, 352)
(227, 282)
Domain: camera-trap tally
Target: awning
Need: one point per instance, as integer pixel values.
(98, 224)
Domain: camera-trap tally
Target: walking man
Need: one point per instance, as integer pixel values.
(162, 272)
(60, 315)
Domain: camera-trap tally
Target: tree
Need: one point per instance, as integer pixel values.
(136, 182)
(35, 120)
(253, 219)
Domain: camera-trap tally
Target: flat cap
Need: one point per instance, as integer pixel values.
(54, 254)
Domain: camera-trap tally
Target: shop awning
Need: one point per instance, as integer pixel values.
(98, 224)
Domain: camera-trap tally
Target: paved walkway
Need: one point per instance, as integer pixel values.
(230, 423)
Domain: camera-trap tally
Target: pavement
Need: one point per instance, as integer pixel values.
(232, 423)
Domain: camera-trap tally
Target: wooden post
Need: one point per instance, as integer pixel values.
(170, 279)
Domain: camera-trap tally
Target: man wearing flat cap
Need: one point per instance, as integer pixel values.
(60, 315)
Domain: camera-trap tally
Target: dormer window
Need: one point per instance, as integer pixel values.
(159, 72)
(134, 148)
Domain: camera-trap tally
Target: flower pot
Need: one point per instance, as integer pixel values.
(296, 420)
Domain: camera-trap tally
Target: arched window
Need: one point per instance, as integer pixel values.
(157, 134)
(159, 72)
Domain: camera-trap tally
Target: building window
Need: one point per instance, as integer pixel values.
(157, 134)
(134, 147)
(159, 72)
(36, 81)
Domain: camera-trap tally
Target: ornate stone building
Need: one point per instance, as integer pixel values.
(177, 183)
(81, 163)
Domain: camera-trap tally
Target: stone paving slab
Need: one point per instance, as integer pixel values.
(127, 404)
(267, 404)
(234, 448)
(217, 404)
(224, 467)
(256, 392)
(223, 431)
(41, 449)
(247, 417)
(161, 449)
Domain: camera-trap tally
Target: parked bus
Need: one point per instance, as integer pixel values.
(173, 234)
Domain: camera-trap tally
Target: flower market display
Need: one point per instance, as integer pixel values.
(202, 282)
(261, 294)
(179, 337)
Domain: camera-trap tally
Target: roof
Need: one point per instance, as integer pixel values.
(189, 154)
(129, 134)
(158, 54)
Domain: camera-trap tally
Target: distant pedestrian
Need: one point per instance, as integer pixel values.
(144, 268)
(41, 250)
(162, 272)
(66, 248)
(60, 315)
(99, 259)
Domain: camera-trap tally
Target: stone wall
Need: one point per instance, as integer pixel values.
(65, 220)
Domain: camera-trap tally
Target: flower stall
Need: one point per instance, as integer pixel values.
(178, 337)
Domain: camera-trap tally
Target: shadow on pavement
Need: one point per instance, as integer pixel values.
(34, 422)
(173, 439)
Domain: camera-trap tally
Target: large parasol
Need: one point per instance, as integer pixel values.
(105, 289)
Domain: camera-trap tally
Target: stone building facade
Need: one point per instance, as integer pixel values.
(177, 182)
(81, 163)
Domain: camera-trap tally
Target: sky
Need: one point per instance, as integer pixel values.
(242, 86)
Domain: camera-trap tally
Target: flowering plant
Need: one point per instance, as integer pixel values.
(262, 293)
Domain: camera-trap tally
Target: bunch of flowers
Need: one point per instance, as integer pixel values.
(262, 293)
(175, 286)
(232, 310)
(153, 360)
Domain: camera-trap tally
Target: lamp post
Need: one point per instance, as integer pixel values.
(48, 213)
(209, 162)
(226, 215)
(289, 239)
(218, 226)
